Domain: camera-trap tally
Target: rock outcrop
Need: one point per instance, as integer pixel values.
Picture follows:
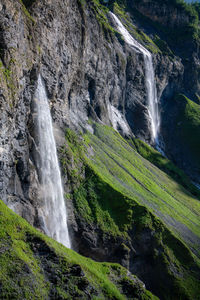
(87, 72)
(90, 73)
(176, 24)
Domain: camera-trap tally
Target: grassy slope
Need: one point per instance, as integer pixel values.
(165, 165)
(33, 266)
(119, 184)
(126, 171)
(188, 126)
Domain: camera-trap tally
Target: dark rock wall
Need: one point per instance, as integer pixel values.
(173, 23)
(165, 12)
(86, 71)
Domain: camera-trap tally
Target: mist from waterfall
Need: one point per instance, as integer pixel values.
(150, 83)
(53, 211)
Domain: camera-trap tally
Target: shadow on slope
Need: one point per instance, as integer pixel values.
(166, 166)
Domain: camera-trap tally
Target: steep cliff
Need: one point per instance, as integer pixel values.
(86, 71)
(174, 27)
(121, 208)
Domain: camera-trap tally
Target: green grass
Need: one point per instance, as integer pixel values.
(34, 266)
(99, 204)
(165, 165)
(163, 46)
(121, 191)
(100, 11)
(188, 126)
(120, 166)
(170, 196)
(120, 9)
(6, 77)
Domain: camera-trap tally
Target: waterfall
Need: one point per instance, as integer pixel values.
(152, 99)
(53, 211)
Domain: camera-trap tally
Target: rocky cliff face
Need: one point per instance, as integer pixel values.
(165, 13)
(177, 26)
(86, 71)
(89, 74)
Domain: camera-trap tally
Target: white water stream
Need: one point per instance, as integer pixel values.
(53, 212)
(152, 99)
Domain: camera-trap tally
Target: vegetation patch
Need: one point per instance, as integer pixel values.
(34, 266)
(182, 34)
(26, 4)
(165, 165)
(120, 166)
(7, 78)
(99, 204)
(121, 192)
(188, 125)
(121, 10)
(101, 9)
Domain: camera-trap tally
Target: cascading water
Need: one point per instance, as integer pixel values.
(53, 212)
(149, 80)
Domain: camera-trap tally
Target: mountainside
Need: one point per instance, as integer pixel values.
(131, 194)
(117, 195)
(35, 267)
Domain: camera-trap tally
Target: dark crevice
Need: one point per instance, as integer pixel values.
(28, 3)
